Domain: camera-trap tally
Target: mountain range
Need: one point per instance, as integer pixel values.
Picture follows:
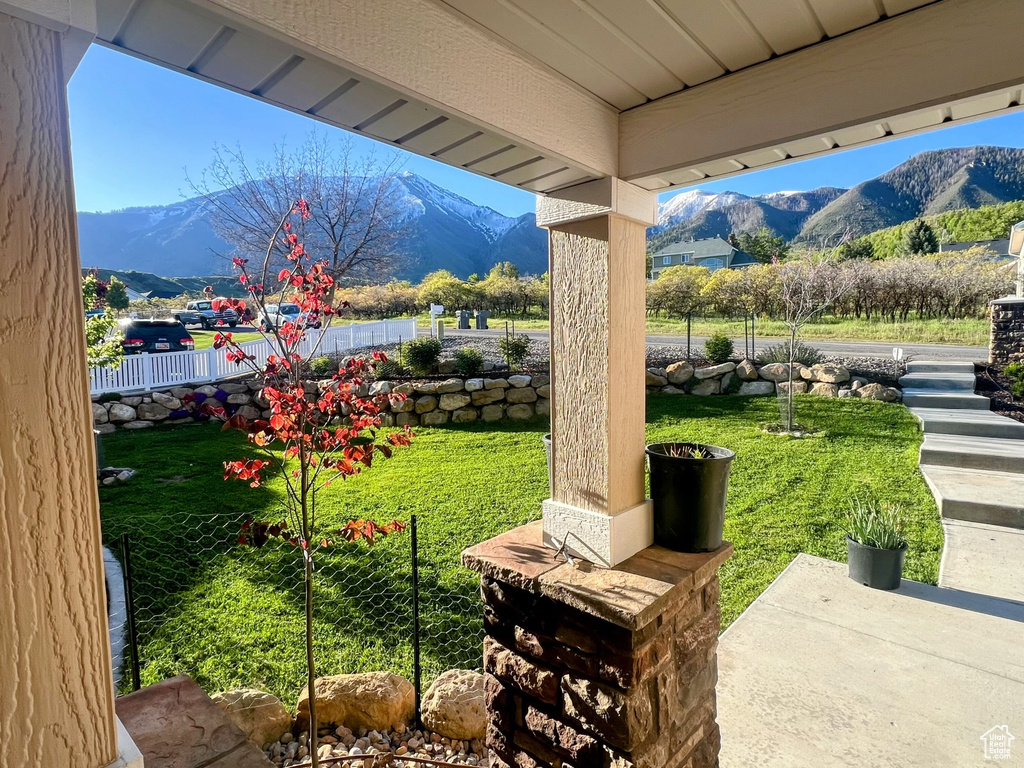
(448, 231)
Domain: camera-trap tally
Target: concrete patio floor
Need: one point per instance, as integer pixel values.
(821, 671)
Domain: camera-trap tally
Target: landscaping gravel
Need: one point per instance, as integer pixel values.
(380, 749)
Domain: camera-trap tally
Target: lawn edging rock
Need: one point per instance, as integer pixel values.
(454, 705)
(259, 714)
(376, 701)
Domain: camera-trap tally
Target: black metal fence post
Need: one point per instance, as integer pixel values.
(129, 599)
(688, 335)
(416, 670)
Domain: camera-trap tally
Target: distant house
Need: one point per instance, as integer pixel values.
(713, 253)
(134, 295)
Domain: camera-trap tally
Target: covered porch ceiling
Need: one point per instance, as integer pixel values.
(553, 93)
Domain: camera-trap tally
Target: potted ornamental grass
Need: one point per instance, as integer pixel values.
(875, 545)
(689, 484)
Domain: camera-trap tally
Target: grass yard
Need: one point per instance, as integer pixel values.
(969, 332)
(231, 616)
(204, 339)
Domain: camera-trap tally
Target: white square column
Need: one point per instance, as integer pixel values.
(598, 255)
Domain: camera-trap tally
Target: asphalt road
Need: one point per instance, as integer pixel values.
(838, 348)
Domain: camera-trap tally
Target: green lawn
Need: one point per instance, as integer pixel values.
(204, 339)
(231, 616)
(970, 332)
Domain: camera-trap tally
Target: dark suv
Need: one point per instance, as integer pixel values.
(155, 336)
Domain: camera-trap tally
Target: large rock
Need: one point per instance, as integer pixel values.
(99, 414)
(714, 370)
(473, 385)
(371, 700)
(450, 385)
(207, 389)
(492, 412)
(405, 388)
(454, 705)
(679, 373)
(249, 412)
(239, 398)
(426, 387)
(544, 390)
(169, 402)
(132, 401)
(453, 401)
(779, 371)
(524, 395)
(379, 388)
(434, 418)
(830, 374)
(656, 377)
(540, 379)
(406, 419)
(401, 404)
(757, 388)
(104, 429)
(141, 424)
(520, 380)
(237, 388)
(496, 384)
(259, 714)
(152, 412)
(799, 387)
(707, 387)
(464, 415)
(446, 366)
(121, 413)
(488, 396)
(543, 407)
(425, 404)
(520, 412)
(180, 392)
(746, 371)
(825, 389)
(876, 391)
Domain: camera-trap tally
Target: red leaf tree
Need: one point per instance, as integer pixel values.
(311, 438)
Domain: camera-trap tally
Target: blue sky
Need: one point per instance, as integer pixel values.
(136, 128)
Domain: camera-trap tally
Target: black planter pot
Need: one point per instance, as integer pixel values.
(688, 496)
(874, 567)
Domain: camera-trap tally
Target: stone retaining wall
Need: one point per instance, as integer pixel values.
(461, 400)
(1006, 343)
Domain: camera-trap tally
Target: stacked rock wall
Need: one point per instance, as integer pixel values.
(1006, 343)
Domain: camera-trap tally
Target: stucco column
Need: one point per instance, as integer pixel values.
(597, 244)
(56, 697)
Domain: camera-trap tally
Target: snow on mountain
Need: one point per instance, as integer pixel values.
(692, 202)
(422, 193)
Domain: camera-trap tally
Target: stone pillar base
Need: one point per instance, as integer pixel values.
(1006, 344)
(588, 666)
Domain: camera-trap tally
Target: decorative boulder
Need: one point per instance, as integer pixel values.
(825, 389)
(543, 407)
(425, 404)
(207, 390)
(464, 415)
(492, 413)
(520, 412)
(446, 366)
(655, 377)
(496, 384)
(520, 380)
(141, 424)
(472, 385)
(121, 413)
(524, 395)
(405, 388)
(237, 388)
(714, 370)
(169, 402)
(799, 387)
(450, 385)
(401, 404)
(544, 390)
(679, 373)
(406, 419)
(99, 414)
(670, 390)
(779, 371)
(426, 387)
(249, 412)
(380, 388)
(152, 412)
(371, 700)
(434, 418)
(876, 391)
(239, 398)
(746, 371)
(707, 387)
(830, 374)
(454, 705)
(757, 388)
(540, 380)
(260, 715)
(132, 401)
(452, 401)
(488, 396)
(180, 392)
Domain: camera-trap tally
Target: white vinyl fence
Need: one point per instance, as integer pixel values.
(168, 369)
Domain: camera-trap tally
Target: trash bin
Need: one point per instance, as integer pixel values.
(462, 315)
(481, 319)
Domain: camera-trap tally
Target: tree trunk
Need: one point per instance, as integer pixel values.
(310, 662)
(789, 395)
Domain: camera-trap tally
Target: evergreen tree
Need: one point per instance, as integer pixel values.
(762, 245)
(920, 239)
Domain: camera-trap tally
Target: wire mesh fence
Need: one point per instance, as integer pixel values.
(187, 599)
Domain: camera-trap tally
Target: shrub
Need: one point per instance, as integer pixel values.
(804, 354)
(876, 525)
(469, 361)
(388, 369)
(514, 349)
(322, 367)
(421, 355)
(718, 348)
(1016, 373)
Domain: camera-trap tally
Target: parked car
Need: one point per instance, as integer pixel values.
(98, 312)
(276, 314)
(189, 317)
(154, 336)
(204, 307)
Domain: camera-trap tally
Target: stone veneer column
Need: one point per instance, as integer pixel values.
(597, 243)
(595, 667)
(1006, 344)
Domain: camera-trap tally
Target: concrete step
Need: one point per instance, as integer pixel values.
(947, 421)
(939, 366)
(983, 559)
(944, 398)
(988, 453)
(979, 496)
(961, 382)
